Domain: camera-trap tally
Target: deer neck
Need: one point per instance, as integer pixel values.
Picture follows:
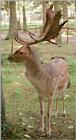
(33, 66)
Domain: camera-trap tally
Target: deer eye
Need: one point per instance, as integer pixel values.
(21, 52)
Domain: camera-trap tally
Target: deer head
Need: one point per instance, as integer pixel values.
(50, 31)
(26, 52)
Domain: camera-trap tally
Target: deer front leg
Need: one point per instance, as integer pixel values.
(41, 100)
(49, 115)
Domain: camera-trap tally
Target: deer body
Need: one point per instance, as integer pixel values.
(48, 79)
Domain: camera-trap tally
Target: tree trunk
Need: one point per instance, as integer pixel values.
(2, 105)
(24, 18)
(56, 7)
(75, 6)
(44, 11)
(3, 116)
(18, 21)
(12, 19)
(65, 13)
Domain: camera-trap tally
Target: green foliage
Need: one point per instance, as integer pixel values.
(72, 24)
(7, 131)
(72, 69)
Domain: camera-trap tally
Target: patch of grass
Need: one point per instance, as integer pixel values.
(22, 100)
(72, 69)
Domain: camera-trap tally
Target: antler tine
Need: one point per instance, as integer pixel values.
(19, 39)
(31, 35)
(40, 39)
(15, 37)
(35, 39)
(62, 24)
(49, 14)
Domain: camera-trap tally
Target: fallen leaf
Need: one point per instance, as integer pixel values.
(20, 113)
(53, 123)
(29, 126)
(23, 124)
(66, 96)
(31, 117)
(70, 127)
(27, 136)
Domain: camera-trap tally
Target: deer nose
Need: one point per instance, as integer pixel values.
(9, 58)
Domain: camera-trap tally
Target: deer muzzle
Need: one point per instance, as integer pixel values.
(10, 58)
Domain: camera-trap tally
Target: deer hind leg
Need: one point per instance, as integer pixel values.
(57, 108)
(64, 112)
(49, 115)
(41, 100)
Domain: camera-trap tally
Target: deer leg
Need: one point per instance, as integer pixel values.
(64, 112)
(57, 109)
(41, 100)
(49, 115)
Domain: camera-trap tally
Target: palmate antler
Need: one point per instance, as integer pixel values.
(50, 30)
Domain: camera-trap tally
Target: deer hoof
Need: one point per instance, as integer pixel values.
(49, 134)
(41, 130)
(64, 113)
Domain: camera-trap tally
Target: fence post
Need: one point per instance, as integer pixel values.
(11, 37)
(11, 46)
(35, 28)
(67, 35)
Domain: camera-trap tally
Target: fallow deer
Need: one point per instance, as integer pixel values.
(48, 79)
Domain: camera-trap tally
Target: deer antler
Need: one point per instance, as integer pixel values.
(19, 39)
(50, 30)
(49, 15)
